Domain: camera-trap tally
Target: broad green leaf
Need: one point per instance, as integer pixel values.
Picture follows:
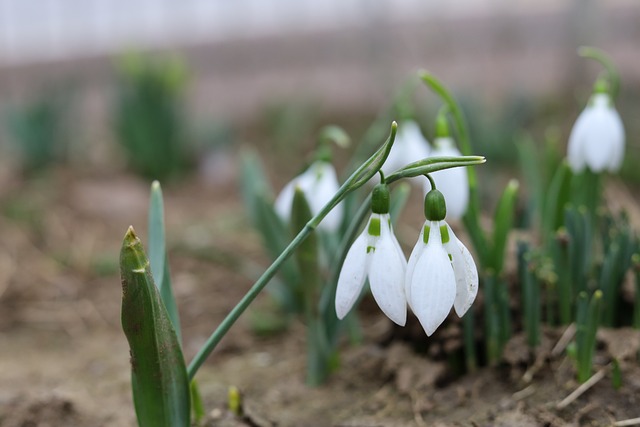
(159, 379)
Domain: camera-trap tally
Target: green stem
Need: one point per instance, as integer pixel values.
(612, 73)
(468, 331)
(360, 177)
(472, 216)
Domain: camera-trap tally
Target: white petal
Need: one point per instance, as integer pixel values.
(325, 186)
(453, 183)
(410, 146)
(352, 275)
(284, 201)
(433, 287)
(598, 143)
(386, 275)
(466, 273)
(575, 149)
(413, 258)
(617, 138)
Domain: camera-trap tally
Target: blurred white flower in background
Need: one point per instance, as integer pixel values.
(319, 183)
(453, 183)
(597, 137)
(410, 146)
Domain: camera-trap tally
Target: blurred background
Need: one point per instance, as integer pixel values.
(76, 70)
(99, 97)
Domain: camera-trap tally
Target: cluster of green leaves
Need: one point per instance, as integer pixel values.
(148, 115)
(586, 252)
(39, 130)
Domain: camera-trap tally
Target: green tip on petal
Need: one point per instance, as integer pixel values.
(435, 208)
(380, 199)
(374, 227)
(601, 86)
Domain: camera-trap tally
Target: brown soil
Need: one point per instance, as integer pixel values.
(64, 360)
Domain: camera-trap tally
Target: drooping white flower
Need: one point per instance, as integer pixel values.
(441, 272)
(453, 183)
(409, 146)
(597, 138)
(375, 254)
(319, 183)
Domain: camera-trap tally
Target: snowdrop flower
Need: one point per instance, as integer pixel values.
(410, 146)
(441, 272)
(375, 254)
(453, 183)
(319, 184)
(597, 137)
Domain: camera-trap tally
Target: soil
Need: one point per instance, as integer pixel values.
(64, 360)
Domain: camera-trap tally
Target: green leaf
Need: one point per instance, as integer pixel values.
(158, 255)
(158, 373)
(558, 195)
(254, 184)
(503, 223)
(306, 255)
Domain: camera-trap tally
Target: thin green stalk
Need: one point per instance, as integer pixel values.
(468, 331)
(564, 284)
(590, 321)
(248, 298)
(612, 73)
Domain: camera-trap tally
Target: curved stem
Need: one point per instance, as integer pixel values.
(612, 72)
(472, 217)
(431, 181)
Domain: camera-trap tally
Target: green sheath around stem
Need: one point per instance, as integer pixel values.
(158, 374)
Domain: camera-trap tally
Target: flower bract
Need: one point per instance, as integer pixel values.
(597, 138)
(375, 254)
(319, 183)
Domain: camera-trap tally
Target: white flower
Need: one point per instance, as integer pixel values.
(409, 146)
(597, 137)
(441, 273)
(319, 184)
(376, 254)
(453, 183)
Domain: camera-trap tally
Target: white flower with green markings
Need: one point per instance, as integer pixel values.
(441, 272)
(375, 254)
(597, 138)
